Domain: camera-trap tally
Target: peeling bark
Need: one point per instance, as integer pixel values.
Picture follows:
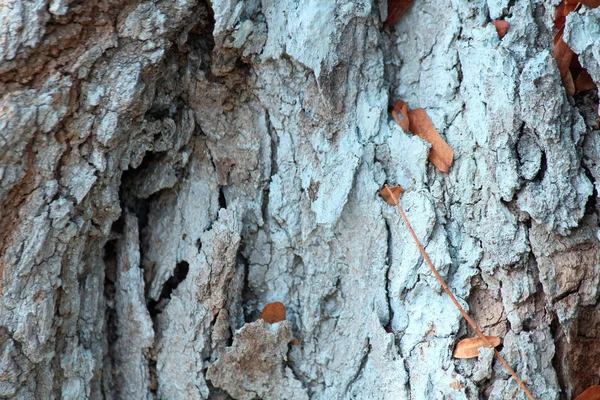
(168, 168)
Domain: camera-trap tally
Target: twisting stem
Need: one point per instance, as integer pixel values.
(447, 290)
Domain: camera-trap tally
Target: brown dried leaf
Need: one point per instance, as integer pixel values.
(396, 8)
(469, 348)
(568, 64)
(590, 3)
(575, 66)
(569, 84)
(558, 36)
(570, 7)
(273, 312)
(401, 107)
(441, 154)
(591, 393)
(584, 82)
(396, 190)
(501, 27)
(456, 385)
(564, 55)
(559, 16)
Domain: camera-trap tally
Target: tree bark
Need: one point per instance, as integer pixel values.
(167, 168)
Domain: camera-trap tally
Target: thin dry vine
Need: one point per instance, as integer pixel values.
(447, 290)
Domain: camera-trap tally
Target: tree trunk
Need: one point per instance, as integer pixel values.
(167, 168)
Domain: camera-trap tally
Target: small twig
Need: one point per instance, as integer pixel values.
(447, 290)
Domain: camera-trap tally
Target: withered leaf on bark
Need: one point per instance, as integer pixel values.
(587, 3)
(396, 191)
(584, 82)
(563, 56)
(401, 107)
(273, 312)
(574, 77)
(501, 27)
(441, 154)
(591, 393)
(469, 348)
(417, 121)
(559, 15)
(396, 8)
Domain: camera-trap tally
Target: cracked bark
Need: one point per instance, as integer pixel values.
(168, 168)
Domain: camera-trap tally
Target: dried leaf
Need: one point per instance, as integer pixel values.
(501, 27)
(591, 393)
(558, 36)
(396, 8)
(564, 55)
(396, 190)
(401, 107)
(441, 154)
(575, 66)
(569, 84)
(469, 348)
(568, 64)
(296, 341)
(559, 16)
(273, 312)
(584, 82)
(590, 3)
(456, 385)
(570, 7)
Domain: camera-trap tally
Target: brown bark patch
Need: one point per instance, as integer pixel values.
(9, 208)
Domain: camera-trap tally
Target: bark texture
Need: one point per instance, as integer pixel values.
(169, 167)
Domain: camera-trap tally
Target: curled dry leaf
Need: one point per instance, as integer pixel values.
(563, 56)
(574, 77)
(396, 190)
(559, 15)
(562, 53)
(591, 393)
(469, 348)
(589, 3)
(273, 312)
(564, 8)
(570, 6)
(396, 8)
(558, 36)
(501, 27)
(401, 107)
(456, 385)
(417, 122)
(569, 84)
(584, 82)
(441, 154)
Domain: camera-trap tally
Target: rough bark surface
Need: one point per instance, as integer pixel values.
(167, 168)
